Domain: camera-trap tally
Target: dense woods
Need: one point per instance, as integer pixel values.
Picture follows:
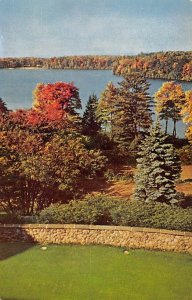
(65, 62)
(172, 65)
(164, 65)
(124, 111)
(48, 153)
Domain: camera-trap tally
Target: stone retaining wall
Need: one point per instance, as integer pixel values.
(130, 237)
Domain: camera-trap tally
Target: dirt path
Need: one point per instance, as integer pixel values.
(124, 189)
(186, 172)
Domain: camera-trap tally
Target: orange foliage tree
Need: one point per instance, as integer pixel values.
(55, 105)
(169, 100)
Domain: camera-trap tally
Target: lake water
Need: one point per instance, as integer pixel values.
(16, 85)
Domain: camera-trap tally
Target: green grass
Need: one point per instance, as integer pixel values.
(91, 273)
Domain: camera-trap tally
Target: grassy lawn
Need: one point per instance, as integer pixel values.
(92, 272)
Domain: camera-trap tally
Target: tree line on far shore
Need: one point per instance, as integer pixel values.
(171, 65)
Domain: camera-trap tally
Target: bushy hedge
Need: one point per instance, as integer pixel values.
(6, 218)
(103, 210)
(9, 219)
(91, 210)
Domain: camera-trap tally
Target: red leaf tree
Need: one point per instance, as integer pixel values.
(53, 106)
(56, 98)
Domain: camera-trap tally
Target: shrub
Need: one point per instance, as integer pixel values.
(9, 219)
(6, 218)
(90, 210)
(155, 215)
(185, 154)
(103, 210)
(110, 175)
(186, 201)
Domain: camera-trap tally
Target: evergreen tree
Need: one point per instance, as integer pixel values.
(132, 114)
(157, 169)
(90, 124)
(3, 113)
(125, 110)
(3, 107)
(105, 108)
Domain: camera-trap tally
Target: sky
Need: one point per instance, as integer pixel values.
(46, 28)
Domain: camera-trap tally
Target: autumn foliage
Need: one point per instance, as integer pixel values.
(48, 152)
(169, 100)
(187, 114)
(54, 105)
(172, 65)
(58, 97)
(43, 157)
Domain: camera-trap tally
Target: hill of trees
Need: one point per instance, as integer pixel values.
(164, 65)
(172, 65)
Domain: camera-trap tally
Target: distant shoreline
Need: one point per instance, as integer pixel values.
(43, 68)
(25, 68)
(171, 65)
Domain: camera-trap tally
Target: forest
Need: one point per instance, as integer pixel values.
(49, 153)
(171, 65)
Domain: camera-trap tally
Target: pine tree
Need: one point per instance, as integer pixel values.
(105, 108)
(132, 115)
(157, 169)
(125, 110)
(3, 113)
(90, 124)
(3, 107)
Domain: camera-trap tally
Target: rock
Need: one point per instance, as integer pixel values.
(43, 248)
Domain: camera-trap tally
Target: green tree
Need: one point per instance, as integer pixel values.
(127, 109)
(158, 167)
(3, 107)
(90, 123)
(3, 113)
(105, 108)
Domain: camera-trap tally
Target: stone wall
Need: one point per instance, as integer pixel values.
(130, 237)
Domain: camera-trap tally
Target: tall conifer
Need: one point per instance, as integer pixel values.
(90, 124)
(132, 114)
(157, 169)
(3, 107)
(125, 110)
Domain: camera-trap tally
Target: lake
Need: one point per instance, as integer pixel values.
(16, 85)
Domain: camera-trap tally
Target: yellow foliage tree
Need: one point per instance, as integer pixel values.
(187, 114)
(169, 100)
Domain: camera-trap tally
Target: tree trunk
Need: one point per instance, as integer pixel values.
(174, 128)
(166, 126)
